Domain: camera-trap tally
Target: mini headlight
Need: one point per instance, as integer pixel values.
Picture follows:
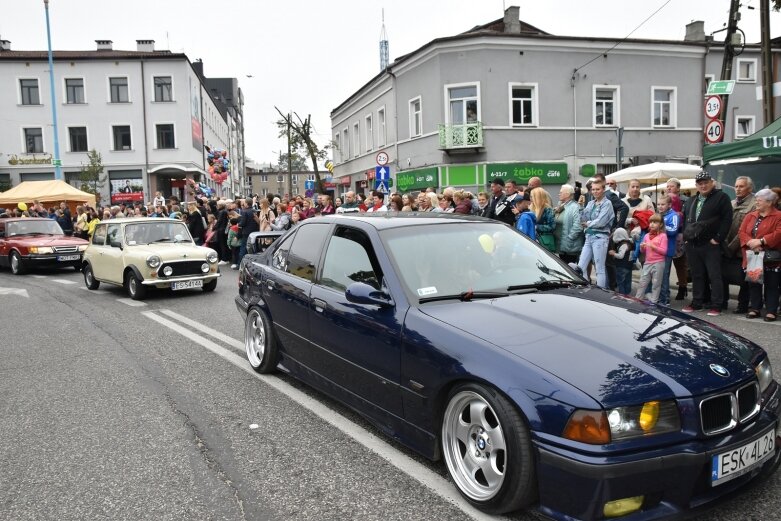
(153, 261)
(167, 271)
(205, 268)
(83, 247)
(40, 250)
(212, 257)
(764, 374)
(653, 417)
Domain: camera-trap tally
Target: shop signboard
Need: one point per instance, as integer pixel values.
(417, 179)
(126, 191)
(549, 173)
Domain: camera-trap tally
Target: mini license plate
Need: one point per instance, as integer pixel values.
(66, 258)
(187, 284)
(736, 462)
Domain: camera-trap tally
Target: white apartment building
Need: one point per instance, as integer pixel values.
(147, 112)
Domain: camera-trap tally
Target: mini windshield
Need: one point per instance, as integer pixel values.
(156, 232)
(469, 260)
(32, 227)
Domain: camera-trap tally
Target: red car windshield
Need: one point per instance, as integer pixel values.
(31, 227)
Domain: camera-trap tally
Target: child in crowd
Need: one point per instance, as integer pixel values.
(234, 241)
(654, 246)
(621, 259)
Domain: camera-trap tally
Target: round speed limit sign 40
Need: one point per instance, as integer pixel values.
(713, 131)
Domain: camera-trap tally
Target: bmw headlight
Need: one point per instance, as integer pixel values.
(654, 417)
(83, 247)
(205, 268)
(40, 250)
(764, 374)
(212, 257)
(153, 261)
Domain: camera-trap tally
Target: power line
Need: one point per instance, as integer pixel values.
(625, 38)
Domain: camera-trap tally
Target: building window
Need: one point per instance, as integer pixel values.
(30, 94)
(463, 104)
(369, 133)
(121, 137)
(33, 140)
(165, 136)
(708, 78)
(295, 179)
(74, 90)
(523, 104)
(747, 70)
(310, 177)
(78, 139)
(163, 88)
(280, 179)
(356, 139)
(606, 106)
(415, 117)
(119, 90)
(381, 127)
(264, 192)
(264, 178)
(338, 147)
(744, 126)
(345, 145)
(663, 106)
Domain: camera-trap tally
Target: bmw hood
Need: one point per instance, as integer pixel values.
(618, 350)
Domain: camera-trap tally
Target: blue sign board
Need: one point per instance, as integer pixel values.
(309, 185)
(382, 172)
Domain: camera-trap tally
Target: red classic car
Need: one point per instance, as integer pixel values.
(37, 242)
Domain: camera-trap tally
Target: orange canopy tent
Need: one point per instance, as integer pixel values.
(49, 193)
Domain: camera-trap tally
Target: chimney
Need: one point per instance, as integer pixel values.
(512, 21)
(5, 45)
(104, 45)
(198, 67)
(695, 31)
(145, 45)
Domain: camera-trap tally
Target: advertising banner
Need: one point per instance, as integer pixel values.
(126, 191)
(549, 173)
(195, 114)
(417, 179)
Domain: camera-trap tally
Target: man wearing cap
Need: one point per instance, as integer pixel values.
(499, 209)
(707, 220)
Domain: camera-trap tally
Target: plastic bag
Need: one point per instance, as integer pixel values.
(755, 269)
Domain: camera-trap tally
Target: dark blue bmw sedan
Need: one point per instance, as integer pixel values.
(464, 340)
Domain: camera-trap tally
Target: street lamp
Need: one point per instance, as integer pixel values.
(56, 161)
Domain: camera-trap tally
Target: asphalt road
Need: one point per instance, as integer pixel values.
(111, 409)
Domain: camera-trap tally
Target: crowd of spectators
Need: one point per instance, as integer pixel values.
(596, 228)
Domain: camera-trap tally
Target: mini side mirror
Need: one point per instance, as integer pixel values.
(116, 244)
(361, 293)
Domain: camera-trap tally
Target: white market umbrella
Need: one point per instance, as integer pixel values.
(655, 172)
(686, 184)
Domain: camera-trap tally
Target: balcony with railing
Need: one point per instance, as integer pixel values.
(467, 136)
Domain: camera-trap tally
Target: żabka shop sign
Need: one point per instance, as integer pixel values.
(417, 179)
(549, 173)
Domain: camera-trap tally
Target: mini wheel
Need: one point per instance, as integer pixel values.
(89, 278)
(210, 286)
(135, 289)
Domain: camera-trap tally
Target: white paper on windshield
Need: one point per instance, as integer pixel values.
(431, 290)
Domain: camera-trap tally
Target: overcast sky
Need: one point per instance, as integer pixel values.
(310, 55)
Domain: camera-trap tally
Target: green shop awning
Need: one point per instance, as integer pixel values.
(763, 143)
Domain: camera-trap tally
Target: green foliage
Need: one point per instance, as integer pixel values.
(301, 141)
(297, 163)
(91, 175)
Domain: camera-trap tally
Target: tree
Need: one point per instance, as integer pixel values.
(297, 161)
(302, 143)
(91, 176)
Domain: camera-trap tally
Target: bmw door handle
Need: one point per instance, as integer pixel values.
(270, 284)
(319, 304)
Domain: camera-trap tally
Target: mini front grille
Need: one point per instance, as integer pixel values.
(65, 249)
(182, 268)
(717, 414)
(723, 412)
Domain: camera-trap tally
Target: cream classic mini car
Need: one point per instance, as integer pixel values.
(139, 253)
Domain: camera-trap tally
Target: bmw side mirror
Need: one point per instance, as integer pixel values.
(361, 293)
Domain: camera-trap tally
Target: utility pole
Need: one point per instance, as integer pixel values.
(56, 161)
(289, 160)
(729, 55)
(768, 108)
(620, 148)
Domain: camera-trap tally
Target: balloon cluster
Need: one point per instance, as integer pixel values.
(219, 164)
(199, 189)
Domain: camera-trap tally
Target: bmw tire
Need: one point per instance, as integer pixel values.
(260, 342)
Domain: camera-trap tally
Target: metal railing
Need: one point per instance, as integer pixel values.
(468, 135)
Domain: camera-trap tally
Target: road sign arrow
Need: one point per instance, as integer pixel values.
(14, 291)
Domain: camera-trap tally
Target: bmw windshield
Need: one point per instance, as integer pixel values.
(468, 260)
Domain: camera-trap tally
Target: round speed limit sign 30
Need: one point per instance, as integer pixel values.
(712, 107)
(713, 131)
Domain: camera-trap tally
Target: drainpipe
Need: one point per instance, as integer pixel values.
(574, 120)
(704, 87)
(395, 123)
(146, 142)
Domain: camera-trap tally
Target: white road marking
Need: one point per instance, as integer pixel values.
(64, 281)
(131, 302)
(200, 327)
(14, 291)
(409, 466)
(39, 276)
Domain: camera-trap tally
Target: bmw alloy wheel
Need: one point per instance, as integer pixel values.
(474, 446)
(255, 338)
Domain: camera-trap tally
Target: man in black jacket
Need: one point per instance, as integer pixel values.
(195, 222)
(499, 209)
(222, 224)
(247, 225)
(707, 220)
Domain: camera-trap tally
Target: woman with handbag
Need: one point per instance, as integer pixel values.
(546, 221)
(760, 233)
